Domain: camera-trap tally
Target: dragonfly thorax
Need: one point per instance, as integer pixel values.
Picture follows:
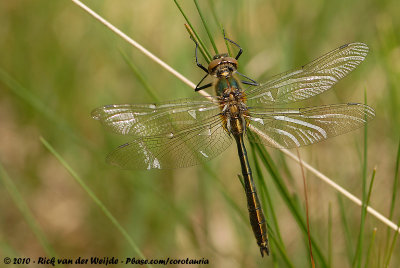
(222, 66)
(233, 106)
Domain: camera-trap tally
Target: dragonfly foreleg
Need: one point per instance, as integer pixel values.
(240, 49)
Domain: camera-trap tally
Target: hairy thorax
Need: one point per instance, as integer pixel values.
(233, 106)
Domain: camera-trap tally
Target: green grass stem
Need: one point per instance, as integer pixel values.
(370, 247)
(359, 247)
(206, 26)
(152, 93)
(95, 199)
(26, 212)
(294, 209)
(203, 48)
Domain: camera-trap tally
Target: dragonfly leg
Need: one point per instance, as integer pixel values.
(197, 60)
(240, 49)
(202, 87)
(251, 82)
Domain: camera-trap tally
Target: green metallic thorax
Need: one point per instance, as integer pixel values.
(225, 83)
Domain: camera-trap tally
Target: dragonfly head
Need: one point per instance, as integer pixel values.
(222, 66)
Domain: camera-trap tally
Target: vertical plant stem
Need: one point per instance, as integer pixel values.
(140, 77)
(95, 199)
(392, 246)
(219, 24)
(25, 211)
(307, 214)
(358, 256)
(369, 252)
(206, 27)
(207, 55)
(395, 182)
(330, 235)
(395, 192)
(271, 167)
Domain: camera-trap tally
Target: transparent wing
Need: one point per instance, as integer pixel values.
(154, 119)
(283, 128)
(193, 145)
(311, 79)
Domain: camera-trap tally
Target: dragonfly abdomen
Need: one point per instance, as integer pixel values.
(256, 215)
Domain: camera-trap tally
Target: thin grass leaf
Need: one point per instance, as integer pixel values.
(272, 169)
(396, 234)
(338, 188)
(307, 215)
(240, 177)
(206, 54)
(280, 249)
(395, 183)
(40, 107)
(369, 196)
(266, 197)
(7, 250)
(206, 27)
(392, 206)
(95, 199)
(152, 93)
(369, 251)
(6, 247)
(394, 193)
(179, 212)
(26, 212)
(359, 248)
(330, 245)
(285, 167)
(266, 201)
(219, 25)
(371, 183)
(134, 44)
(193, 37)
(346, 230)
(222, 189)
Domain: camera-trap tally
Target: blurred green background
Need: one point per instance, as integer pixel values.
(57, 64)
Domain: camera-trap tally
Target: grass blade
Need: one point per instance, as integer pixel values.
(395, 182)
(203, 50)
(272, 169)
(394, 192)
(94, 198)
(330, 247)
(392, 247)
(307, 215)
(371, 245)
(134, 43)
(368, 198)
(221, 28)
(38, 105)
(25, 211)
(346, 229)
(207, 55)
(206, 27)
(392, 206)
(152, 93)
(358, 256)
(265, 197)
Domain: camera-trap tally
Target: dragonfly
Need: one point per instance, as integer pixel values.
(187, 132)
